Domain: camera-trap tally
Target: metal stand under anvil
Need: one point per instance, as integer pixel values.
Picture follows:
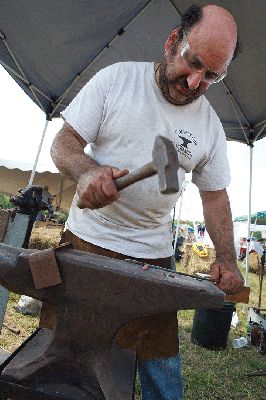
(16, 227)
(97, 296)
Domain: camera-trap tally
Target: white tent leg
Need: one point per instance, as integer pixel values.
(249, 212)
(179, 212)
(178, 219)
(38, 154)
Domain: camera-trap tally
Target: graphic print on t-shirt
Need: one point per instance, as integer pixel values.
(186, 142)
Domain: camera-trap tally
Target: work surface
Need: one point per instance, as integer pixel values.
(97, 296)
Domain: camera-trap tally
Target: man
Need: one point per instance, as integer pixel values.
(119, 113)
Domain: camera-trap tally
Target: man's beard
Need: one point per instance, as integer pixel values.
(171, 93)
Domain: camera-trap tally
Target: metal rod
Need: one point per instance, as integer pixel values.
(25, 80)
(173, 220)
(261, 276)
(236, 103)
(234, 128)
(240, 123)
(38, 154)
(179, 213)
(249, 213)
(260, 123)
(60, 193)
(260, 131)
(254, 225)
(22, 73)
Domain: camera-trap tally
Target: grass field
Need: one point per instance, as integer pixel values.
(208, 375)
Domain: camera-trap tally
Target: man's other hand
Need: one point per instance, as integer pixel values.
(97, 188)
(227, 276)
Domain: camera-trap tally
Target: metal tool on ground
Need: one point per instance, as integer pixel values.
(164, 163)
(257, 373)
(98, 295)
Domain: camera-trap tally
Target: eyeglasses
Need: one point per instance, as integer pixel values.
(192, 62)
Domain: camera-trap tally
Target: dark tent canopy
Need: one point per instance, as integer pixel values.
(52, 48)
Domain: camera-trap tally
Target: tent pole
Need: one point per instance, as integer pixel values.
(38, 154)
(3, 37)
(254, 226)
(249, 212)
(233, 103)
(60, 193)
(179, 212)
(260, 131)
(173, 220)
(22, 78)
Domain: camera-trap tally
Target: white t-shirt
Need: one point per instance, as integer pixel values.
(119, 112)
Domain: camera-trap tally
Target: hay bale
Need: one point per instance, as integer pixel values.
(186, 253)
(254, 262)
(42, 238)
(192, 262)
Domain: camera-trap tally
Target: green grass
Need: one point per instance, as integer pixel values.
(221, 375)
(210, 375)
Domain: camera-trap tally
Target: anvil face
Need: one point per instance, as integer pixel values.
(98, 295)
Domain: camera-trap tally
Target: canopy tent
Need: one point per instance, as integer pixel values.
(14, 176)
(53, 48)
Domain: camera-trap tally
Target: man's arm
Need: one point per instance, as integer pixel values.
(95, 183)
(218, 221)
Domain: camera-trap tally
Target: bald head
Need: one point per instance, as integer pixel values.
(215, 34)
(219, 18)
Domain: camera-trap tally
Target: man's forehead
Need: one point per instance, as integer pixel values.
(217, 28)
(211, 48)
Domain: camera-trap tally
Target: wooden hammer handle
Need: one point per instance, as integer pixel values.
(135, 176)
(241, 296)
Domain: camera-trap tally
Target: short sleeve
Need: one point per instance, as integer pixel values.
(214, 172)
(85, 112)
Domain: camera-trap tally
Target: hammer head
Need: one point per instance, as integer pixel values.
(165, 160)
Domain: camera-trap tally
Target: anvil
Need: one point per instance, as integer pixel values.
(97, 296)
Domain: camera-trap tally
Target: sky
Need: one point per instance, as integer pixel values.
(22, 124)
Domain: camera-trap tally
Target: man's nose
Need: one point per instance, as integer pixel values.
(194, 79)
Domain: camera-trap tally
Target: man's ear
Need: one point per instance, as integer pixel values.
(171, 39)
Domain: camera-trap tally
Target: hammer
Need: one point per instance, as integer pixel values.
(165, 164)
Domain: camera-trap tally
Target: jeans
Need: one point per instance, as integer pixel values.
(161, 379)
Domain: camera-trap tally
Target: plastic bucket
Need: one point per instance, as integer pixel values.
(211, 326)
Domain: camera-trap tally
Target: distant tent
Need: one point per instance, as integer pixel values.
(15, 176)
(259, 218)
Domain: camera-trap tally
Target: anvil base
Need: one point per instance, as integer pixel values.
(51, 383)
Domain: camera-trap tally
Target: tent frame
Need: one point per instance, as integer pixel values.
(247, 129)
(59, 101)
